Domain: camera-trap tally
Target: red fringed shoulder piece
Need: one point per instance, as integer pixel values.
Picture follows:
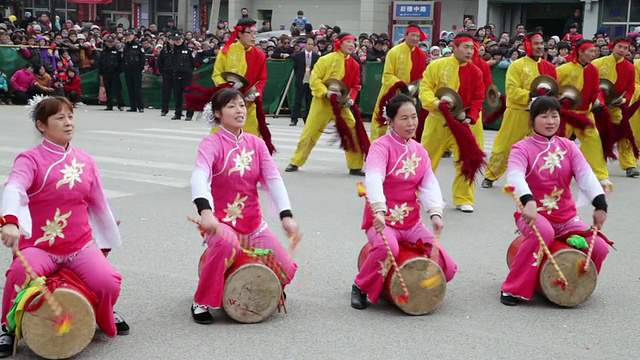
(265, 133)
(471, 157)
(400, 85)
(422, 118)
(496, 114)
(361, 132)
(344, 134)
(197, 97)
(608, 133)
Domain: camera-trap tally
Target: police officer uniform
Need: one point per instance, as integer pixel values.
(165, 64)
(134, 60)
(110, 66)
(183, 64)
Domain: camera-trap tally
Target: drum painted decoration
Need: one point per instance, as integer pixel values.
(571, 261)
(424, 278)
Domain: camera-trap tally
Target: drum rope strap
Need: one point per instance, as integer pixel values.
(562, 280)
(590, 252)
(400, 299)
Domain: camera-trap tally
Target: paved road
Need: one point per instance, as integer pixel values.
(145, 161)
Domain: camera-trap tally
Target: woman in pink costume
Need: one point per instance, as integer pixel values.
(397, 168)
(224, 186)
(52, 194)
(541, 168)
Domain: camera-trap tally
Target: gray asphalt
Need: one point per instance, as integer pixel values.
(146, 161)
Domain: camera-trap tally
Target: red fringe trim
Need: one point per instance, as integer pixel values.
(400, 85)
(578, 121)
(265, 133)
(495, 115)
(361, 132)
(197, 97)
(422, 118)
(624, 128)
(471, 157)
(607, 130)
(344, 134)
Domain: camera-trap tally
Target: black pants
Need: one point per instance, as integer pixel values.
(5, 96)
(22, 97)
(134, 88)
(180, 82)
(113, 86)
(167, 89)
(303, 92)
(72, 96)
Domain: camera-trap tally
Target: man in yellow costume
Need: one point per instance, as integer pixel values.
(515, 124)
(441, 131)
(582, 74)
(404, 64)
(339, 65)
(621, 73)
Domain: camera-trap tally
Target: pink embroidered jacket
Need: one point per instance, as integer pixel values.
(55, 193)
(227, 172)
(544, 168)
(397, 169)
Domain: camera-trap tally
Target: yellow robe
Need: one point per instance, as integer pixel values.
(320, 114)
(635, 119)
(590, 144)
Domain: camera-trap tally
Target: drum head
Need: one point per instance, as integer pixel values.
(251, 293)
(580, 284)
(40, 334)
(426, 283)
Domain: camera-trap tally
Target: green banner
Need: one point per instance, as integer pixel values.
(279, 72)
(11, 61)
(371, 84)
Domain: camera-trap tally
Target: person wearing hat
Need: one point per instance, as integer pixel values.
(377, 53)
(622, 74)
(134, 60)
(405, 64)
(110, 65)
(183, 65)
(165, 66)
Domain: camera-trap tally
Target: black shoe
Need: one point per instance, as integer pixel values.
(164, 113)
(140, 110)
(447, 154)
(176, 117)
(291, 168)
(132, 110)
(508, 299)
(121, 108)
(358, 299)
(356, 172)
(188, 118)
(121, 325)
(6, 342)
(486, 183)
(109, 109)
(202, 318)
(293, 122)
(632, 172)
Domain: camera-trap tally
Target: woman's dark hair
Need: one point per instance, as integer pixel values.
(49, 107)
(221, 98)
(542, 105)
(395, 103)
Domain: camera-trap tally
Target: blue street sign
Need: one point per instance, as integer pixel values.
(413, 10)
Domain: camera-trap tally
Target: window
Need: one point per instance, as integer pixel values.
(64, 10)
(166, 10)
(619, 16)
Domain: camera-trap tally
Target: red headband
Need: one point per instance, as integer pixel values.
(234, 35)
(338, 41)
(528, 46)
(460, 40)
(413, 28)
(623, 42)
(582, 47)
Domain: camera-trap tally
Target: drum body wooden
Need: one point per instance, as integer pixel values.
(39, 331)
(571, 261)
(252, 291)
(424, 278)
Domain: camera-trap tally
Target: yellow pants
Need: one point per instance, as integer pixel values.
(591, 148)
(320, 114)
(251, 125)
(625, 151)
(436, 139)
(515, 127)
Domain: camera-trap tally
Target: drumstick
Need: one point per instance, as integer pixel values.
(590, 252)
(400, 299)
(509, 189)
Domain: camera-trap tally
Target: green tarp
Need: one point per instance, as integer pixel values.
(499, 77)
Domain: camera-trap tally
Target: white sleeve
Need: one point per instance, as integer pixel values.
(16, 202)
(430, 195)
(279, 194)
(201, 185)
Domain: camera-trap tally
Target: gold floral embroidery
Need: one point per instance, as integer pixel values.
(550, 202)
(54, 228)
(409, 165)
(553, 160)
(399, 213)
(243, 162)
(385, 266)
(71, 174)
(234, 210)
(537, 258)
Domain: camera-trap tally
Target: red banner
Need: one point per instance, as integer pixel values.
(90, 1)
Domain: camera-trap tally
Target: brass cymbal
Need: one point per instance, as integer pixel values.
(545, 81)
(452, 97)
(609, 90)
(235, 77)
(493, 96)
(572, 93)
(414, 87)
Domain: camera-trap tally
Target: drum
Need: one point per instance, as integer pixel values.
(424, 278)
(571, 261)
(252, 291)
(38, 327)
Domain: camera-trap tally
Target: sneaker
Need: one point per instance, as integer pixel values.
(356, 172)
(486, 183)
(6, 342)
(632, 172)
(201, 314)
(508, 300)
(121, 325)
(446, 155)
(291, 168)
(466, 208)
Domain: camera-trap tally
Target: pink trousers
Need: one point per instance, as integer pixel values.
(521, 281)
(371, 277)
(90, 265)
(211, 284)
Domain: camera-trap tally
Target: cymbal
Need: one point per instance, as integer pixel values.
(572, 93)
(493, 96)
(235, 77)
(545, 79)
(336, 85)
(452, 97)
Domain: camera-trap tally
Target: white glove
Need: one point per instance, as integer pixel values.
(329, 93)
(237, 85)
(349, 103)
(252, 97)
